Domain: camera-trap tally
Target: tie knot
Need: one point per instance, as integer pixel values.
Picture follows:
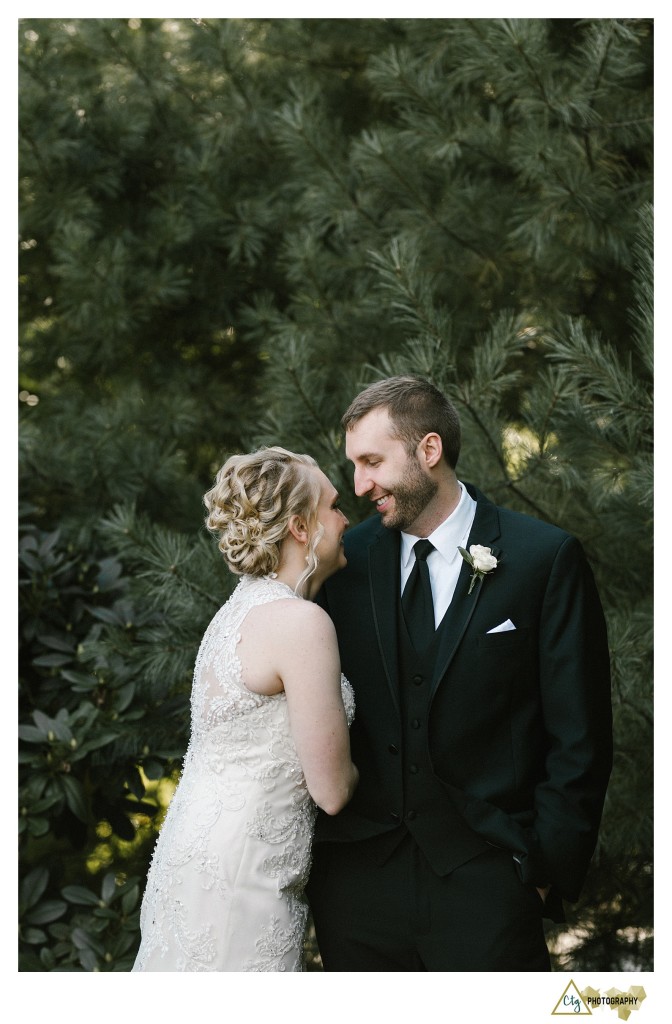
(422, 549)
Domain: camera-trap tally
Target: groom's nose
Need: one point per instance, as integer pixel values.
(363, 482)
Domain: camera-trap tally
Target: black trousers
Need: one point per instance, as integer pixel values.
(401, 916)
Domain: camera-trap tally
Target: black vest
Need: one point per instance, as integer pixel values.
(428, 811)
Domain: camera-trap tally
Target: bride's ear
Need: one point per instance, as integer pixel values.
(298, 528)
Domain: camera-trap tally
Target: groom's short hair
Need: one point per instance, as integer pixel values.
(416, 408)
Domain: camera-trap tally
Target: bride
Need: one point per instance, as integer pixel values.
(269, 743)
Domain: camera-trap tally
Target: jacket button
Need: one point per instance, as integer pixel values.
(411, 815)
(413, 769)
(415, 724)
(395, 816)
(392, 749)
(417, 680)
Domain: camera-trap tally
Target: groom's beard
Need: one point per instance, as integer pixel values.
(411, 496)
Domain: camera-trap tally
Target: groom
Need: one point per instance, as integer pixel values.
(483, 725)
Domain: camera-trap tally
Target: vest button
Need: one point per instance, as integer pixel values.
(411, 815)
(417, 680)
(413, 769)
(392, 749)
(395, 816)
(415, 724)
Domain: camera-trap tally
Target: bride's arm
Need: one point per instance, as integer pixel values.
(309, 666)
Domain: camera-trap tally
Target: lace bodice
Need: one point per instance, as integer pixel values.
(239, 828)
(224, 713)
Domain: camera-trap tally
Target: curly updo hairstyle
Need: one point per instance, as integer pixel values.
(251, 502)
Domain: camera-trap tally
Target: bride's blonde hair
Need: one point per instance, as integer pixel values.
(251, 502)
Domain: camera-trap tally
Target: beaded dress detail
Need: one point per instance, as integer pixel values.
(225, 886)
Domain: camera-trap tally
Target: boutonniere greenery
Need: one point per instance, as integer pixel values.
(481, 560)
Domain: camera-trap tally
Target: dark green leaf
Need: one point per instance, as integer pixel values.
(124, 696)
(86, 681)
(88, 959)
(105, 913)
(49, 542)
(48, 959)
(59, 643)
(78, 894)
(130, 899)
(31, 562)
(33, 886)
(31, 734)
(109, 887)
(74, 796)
(95, 744)
(109, 574)
(48, 910)
(122, 944)
(37, 826)
(43, 722)
(153, 769)
(52, 660)
(107, 615)
(85, 940)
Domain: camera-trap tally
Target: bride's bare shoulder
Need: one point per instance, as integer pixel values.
(293, 616)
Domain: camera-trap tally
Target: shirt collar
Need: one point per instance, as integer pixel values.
(453, 531)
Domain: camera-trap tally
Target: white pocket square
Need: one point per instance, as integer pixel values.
(502, 627)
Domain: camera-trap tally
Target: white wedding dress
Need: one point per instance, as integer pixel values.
(225, 886)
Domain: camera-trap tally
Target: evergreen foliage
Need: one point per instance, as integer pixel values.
(227, 228)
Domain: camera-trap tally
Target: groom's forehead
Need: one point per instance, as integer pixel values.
(371, 435)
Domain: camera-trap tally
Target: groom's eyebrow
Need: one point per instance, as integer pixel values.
(365, 455)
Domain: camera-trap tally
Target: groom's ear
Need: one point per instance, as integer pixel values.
(298, 528)
(430, 450)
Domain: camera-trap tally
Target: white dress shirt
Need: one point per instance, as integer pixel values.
(445, 561)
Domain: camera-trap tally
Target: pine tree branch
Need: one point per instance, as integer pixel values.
(591, 101)
(354, 64)
(190, 585)
(30, 70)
(615, 124)
(312, 411)
(428, 211)
(347, 192)
(510, 484)
(132, 545)
(235, 78)
(423, 100)
(536, 77)
(137, 68)
(32, 144)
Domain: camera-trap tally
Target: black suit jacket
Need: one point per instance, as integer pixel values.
(520, 730)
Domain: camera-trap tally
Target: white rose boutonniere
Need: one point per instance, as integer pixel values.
(481, 560)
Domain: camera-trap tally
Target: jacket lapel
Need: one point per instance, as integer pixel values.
(485, 530)
(384, 573)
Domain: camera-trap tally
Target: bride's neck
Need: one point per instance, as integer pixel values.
(292, 567)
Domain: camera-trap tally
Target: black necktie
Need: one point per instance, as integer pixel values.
(416, 600)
